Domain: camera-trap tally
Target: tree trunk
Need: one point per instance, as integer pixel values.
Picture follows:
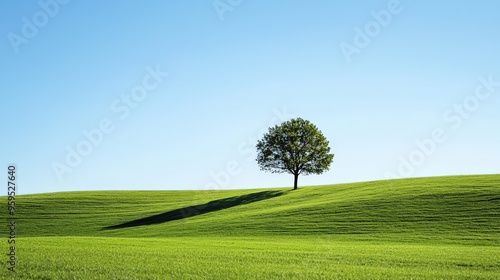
(296, 180)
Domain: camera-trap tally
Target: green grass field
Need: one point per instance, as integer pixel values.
(424, 228)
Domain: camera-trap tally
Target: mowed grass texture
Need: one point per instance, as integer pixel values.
(249, 258)
(424, 228)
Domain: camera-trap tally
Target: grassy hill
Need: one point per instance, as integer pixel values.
(423, 228)
(455, 209)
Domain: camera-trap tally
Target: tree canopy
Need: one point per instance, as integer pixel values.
(297, 147)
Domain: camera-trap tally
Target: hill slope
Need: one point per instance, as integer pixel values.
(462, 209)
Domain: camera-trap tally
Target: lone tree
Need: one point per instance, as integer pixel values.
(296, 147)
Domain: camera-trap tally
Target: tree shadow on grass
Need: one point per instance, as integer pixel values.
(191, 211)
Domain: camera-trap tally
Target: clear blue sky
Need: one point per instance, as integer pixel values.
(68, 67)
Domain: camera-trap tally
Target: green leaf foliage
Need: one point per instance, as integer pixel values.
(296, 147)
